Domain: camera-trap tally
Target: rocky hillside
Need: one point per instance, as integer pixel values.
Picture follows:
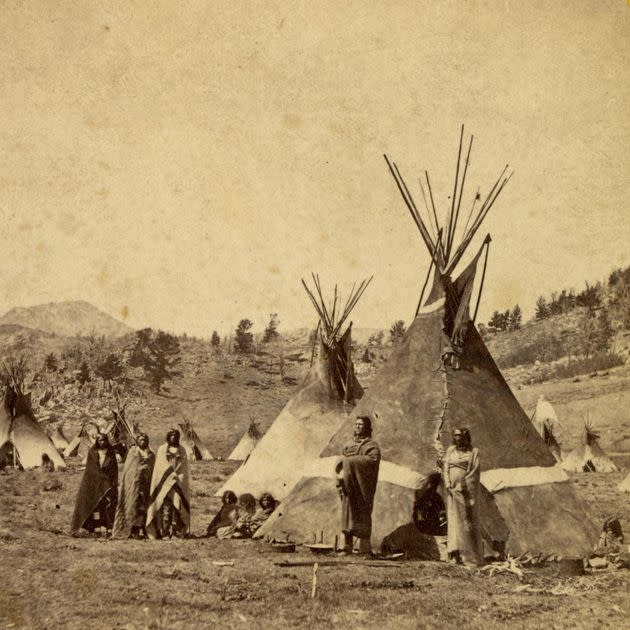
(66, 319)
(18, 341)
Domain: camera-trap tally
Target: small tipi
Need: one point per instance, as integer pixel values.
(440, 377)
(83, 441)
(59, 439)
(314, 413)
(589, 456)
(546, 422)
(121, 432)
(191, 441)
(20, 431)
(624, 486)
(247, 443)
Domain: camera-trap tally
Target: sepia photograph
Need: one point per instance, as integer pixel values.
(315, 314)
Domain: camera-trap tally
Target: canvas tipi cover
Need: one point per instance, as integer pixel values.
(546, 422)
(247, 443)
(19, 428)
(439, 378)
(312, 415)
(589, 456)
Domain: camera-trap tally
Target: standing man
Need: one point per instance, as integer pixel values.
(135, 489)
(357, 474)
(169, 505)
(95, 506)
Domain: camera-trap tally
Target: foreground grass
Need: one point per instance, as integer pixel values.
(53, 581)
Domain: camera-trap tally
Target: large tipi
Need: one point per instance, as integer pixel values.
(589, 456)
(546, 422)
(247, 443)
(314, 413)
(20, 431)
(441, 377)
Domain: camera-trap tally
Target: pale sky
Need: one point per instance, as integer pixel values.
(189, 162)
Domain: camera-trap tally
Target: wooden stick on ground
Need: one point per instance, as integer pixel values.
(314, 589)
(386, 564)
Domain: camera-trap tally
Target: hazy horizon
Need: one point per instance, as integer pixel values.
(182, 167)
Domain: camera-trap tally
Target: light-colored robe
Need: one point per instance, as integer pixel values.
(172, 482)
(461, 480)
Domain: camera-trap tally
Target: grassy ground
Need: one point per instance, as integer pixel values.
(52, 581)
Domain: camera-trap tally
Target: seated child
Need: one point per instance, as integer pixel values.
(225, 519)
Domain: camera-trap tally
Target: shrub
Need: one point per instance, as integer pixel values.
(600, 361)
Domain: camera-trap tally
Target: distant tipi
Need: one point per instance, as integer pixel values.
(589, 456)
(439, 378)
(190, 440)
(321, 405)
(247, 443)
(546, 422)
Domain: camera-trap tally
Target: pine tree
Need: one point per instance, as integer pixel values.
(515, 318)
(271, 331)
(162, 359)
(499, 321)
(542, 310)
(215, 340)
(84, 374)
(243, 339)
(51, 363)
(110, 368)
(158, 355)
(604, 332)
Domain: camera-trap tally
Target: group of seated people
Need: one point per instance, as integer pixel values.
(242, 517)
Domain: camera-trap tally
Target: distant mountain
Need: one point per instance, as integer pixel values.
(66, 319)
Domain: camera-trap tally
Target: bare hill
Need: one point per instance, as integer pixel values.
(66, 319)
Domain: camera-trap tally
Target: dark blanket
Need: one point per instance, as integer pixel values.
(226, 517)
(98, 484)
(359, 474)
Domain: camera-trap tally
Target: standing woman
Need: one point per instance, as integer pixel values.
(461, 480)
